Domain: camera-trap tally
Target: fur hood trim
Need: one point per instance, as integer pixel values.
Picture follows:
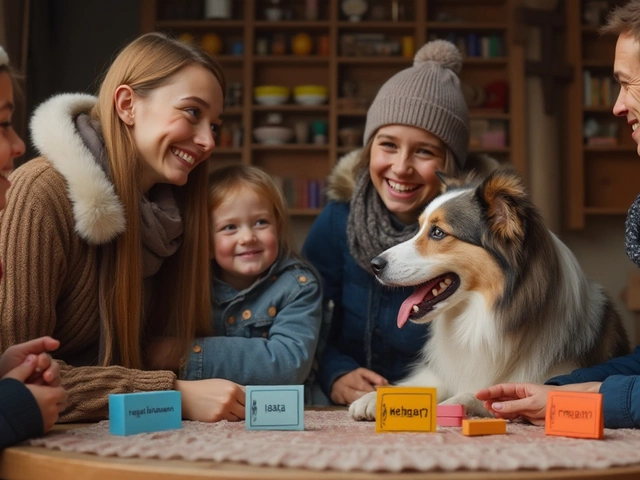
(342, 179)
(98, 213)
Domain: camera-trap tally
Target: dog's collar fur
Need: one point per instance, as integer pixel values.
(97, 210)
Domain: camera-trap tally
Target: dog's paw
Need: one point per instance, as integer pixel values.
(364, 408)
(473, 407)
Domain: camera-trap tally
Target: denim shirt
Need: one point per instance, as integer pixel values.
(620, 388)
(266, 334)
(364, 330)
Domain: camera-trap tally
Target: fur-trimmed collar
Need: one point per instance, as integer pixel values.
(342, 179)
(98, 213)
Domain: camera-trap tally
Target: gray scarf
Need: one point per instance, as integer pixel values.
(161, 225)
(371, 228)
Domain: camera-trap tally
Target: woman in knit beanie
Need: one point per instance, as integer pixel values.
(417, 124)
(30, 402)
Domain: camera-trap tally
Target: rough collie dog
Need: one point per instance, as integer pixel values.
(507, 300)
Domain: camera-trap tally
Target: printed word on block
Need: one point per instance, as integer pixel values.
(450, 415)
(131, 413)
(406, 409)
(574, 414)
(484, 426)
(274, 407)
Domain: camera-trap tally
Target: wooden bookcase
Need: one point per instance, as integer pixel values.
(602, 175)
(396, 21)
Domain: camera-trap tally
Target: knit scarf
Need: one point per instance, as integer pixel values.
(371, 229)
(160, 220)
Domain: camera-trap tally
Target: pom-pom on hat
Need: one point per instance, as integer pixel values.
(426, 95)
(4, 58)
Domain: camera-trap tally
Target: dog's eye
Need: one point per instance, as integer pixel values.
(437, 233)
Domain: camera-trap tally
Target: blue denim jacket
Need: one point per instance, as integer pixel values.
(267, 333)
(364, 330)
(620, 388)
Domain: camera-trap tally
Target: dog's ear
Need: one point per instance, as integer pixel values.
(506, 200)
(449, 183)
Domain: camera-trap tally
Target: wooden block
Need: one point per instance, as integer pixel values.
(455, 410)
(574, 414)
(406, 409)
(484, 426)
(449, 421)
(274, 407)
(131, 413)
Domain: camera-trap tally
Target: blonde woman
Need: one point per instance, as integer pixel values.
(105, 233)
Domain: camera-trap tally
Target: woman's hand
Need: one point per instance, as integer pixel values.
(211, 400)
(46, 371)
(351, 386)
(526, 400)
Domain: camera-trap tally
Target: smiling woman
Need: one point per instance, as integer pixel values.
(103, 233)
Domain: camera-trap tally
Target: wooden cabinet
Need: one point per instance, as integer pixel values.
(352, 59)
(602, 175)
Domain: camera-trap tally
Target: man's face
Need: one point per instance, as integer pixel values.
(626, 70)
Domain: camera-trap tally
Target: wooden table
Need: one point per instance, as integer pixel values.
(35, 463)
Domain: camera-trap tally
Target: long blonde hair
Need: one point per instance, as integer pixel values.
(182, 301)
(228, 180)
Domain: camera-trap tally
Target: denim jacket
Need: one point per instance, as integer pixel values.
(363, 331)
(620, 388)
(266, 334)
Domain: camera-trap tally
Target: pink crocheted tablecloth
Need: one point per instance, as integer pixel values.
(333, 441)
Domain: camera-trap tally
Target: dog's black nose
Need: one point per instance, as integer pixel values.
(378, 264)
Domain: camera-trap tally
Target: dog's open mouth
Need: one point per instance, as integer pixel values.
(426, 296)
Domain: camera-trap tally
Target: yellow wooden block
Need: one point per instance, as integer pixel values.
(484, 426)
(406, 409)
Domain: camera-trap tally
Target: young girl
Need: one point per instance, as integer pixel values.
(102, 234)
(416, 125)
(31, 397)
(266, 302)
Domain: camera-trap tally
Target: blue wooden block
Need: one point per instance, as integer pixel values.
(131, 413)
(274, 407)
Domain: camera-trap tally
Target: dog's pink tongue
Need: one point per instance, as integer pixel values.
(405, 309)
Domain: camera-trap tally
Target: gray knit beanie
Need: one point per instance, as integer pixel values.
(426, 95)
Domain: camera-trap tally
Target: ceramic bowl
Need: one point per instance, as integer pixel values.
(310, 94)
(271, 94)
(273, 134)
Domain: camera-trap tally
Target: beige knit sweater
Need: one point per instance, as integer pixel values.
(61, 208)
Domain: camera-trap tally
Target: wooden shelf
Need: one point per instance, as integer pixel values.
(334, 70)
(598, 179)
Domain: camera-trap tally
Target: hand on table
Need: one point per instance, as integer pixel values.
(46, 370)
(526, 400)
(211, 400)
(51, 399)
(353, 385)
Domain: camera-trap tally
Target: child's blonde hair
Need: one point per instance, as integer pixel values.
(228, 180)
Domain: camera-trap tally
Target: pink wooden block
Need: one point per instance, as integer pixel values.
(456, 410)
(449, 421)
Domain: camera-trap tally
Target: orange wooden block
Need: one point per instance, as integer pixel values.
(574, 414)
(484, 426)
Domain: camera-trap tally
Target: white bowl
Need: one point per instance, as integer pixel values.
(272, 99)
(273, 134)
(310, 99)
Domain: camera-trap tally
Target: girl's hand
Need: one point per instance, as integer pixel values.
(211, 400)
(51, 400)
(351, 386)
